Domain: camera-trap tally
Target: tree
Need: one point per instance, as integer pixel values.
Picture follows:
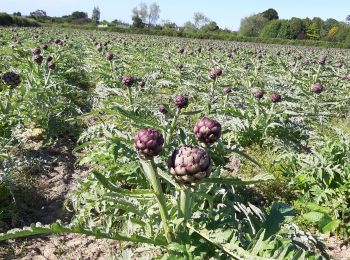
(251, 26)
(169, 24)
(210, 27)
(200, 20)
(189, 27)
(148, 14)
(347, 19)
(137, 22)
(330, 23)
(96, 14)
(271, 30)
(79, 15)
(141, 12)
(38, 13)
(270, 14)
(313, 32)
(153, 13)
(17, 14)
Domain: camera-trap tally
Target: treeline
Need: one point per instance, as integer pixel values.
(264, 27)
(16, 20)
(267, 25)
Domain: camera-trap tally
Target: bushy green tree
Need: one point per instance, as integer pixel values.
(137, 22)
(251, 26)
(210, 27)
(313, 32)
(270, 14)
(79, 15)
(271, 29)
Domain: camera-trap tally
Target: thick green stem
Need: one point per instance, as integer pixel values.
(169, 134)
(151, 174)
(131, 101)
(185, 203)
(225, 101)
(48, 77)
(211, 96)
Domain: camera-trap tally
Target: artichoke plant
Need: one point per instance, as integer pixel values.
(128, 81)
(316, 88)
(148, 142)
(11, 79)
(38, 58)
(276, 98)
(207, 130)
(109, 56)
(216, 72)
(51, 65)
(181, 101)
(227, 90)
(190, 164)
(36, 51)
(259, 94)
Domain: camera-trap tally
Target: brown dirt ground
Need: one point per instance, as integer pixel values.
(53, 183)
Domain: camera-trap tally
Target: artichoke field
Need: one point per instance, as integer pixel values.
(203, 149)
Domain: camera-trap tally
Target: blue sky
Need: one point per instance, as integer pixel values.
(227, 13)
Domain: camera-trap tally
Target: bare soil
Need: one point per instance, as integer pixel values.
(45, 203)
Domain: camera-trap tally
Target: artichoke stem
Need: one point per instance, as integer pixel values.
(151, 174)
(185, 203)
(48, 77)
(172, 127)
(131, 102)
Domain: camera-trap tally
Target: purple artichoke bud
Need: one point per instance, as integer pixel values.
(162, 109)
(109, 56)
(227, 90)
(276, 98)
(99, 47)
(322, 60)
(149, 142)
(181, 50)
(259, 94)
(216, 72)
(45, 46)
(190, 164)
(207, 130)
(339, 64)
(128, 81)
(51, 65)
(316, 88)
(11, 79)
(36, 51)
(142, 83)
(38, 58)
(181, 101)
(49, 58)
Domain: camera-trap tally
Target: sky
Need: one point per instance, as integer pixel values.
(227, 13)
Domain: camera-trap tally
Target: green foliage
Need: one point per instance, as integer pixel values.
(270, 14)
(313, 32)
(137, 22)
(322, 177)
(251, 26)
(271, 30)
